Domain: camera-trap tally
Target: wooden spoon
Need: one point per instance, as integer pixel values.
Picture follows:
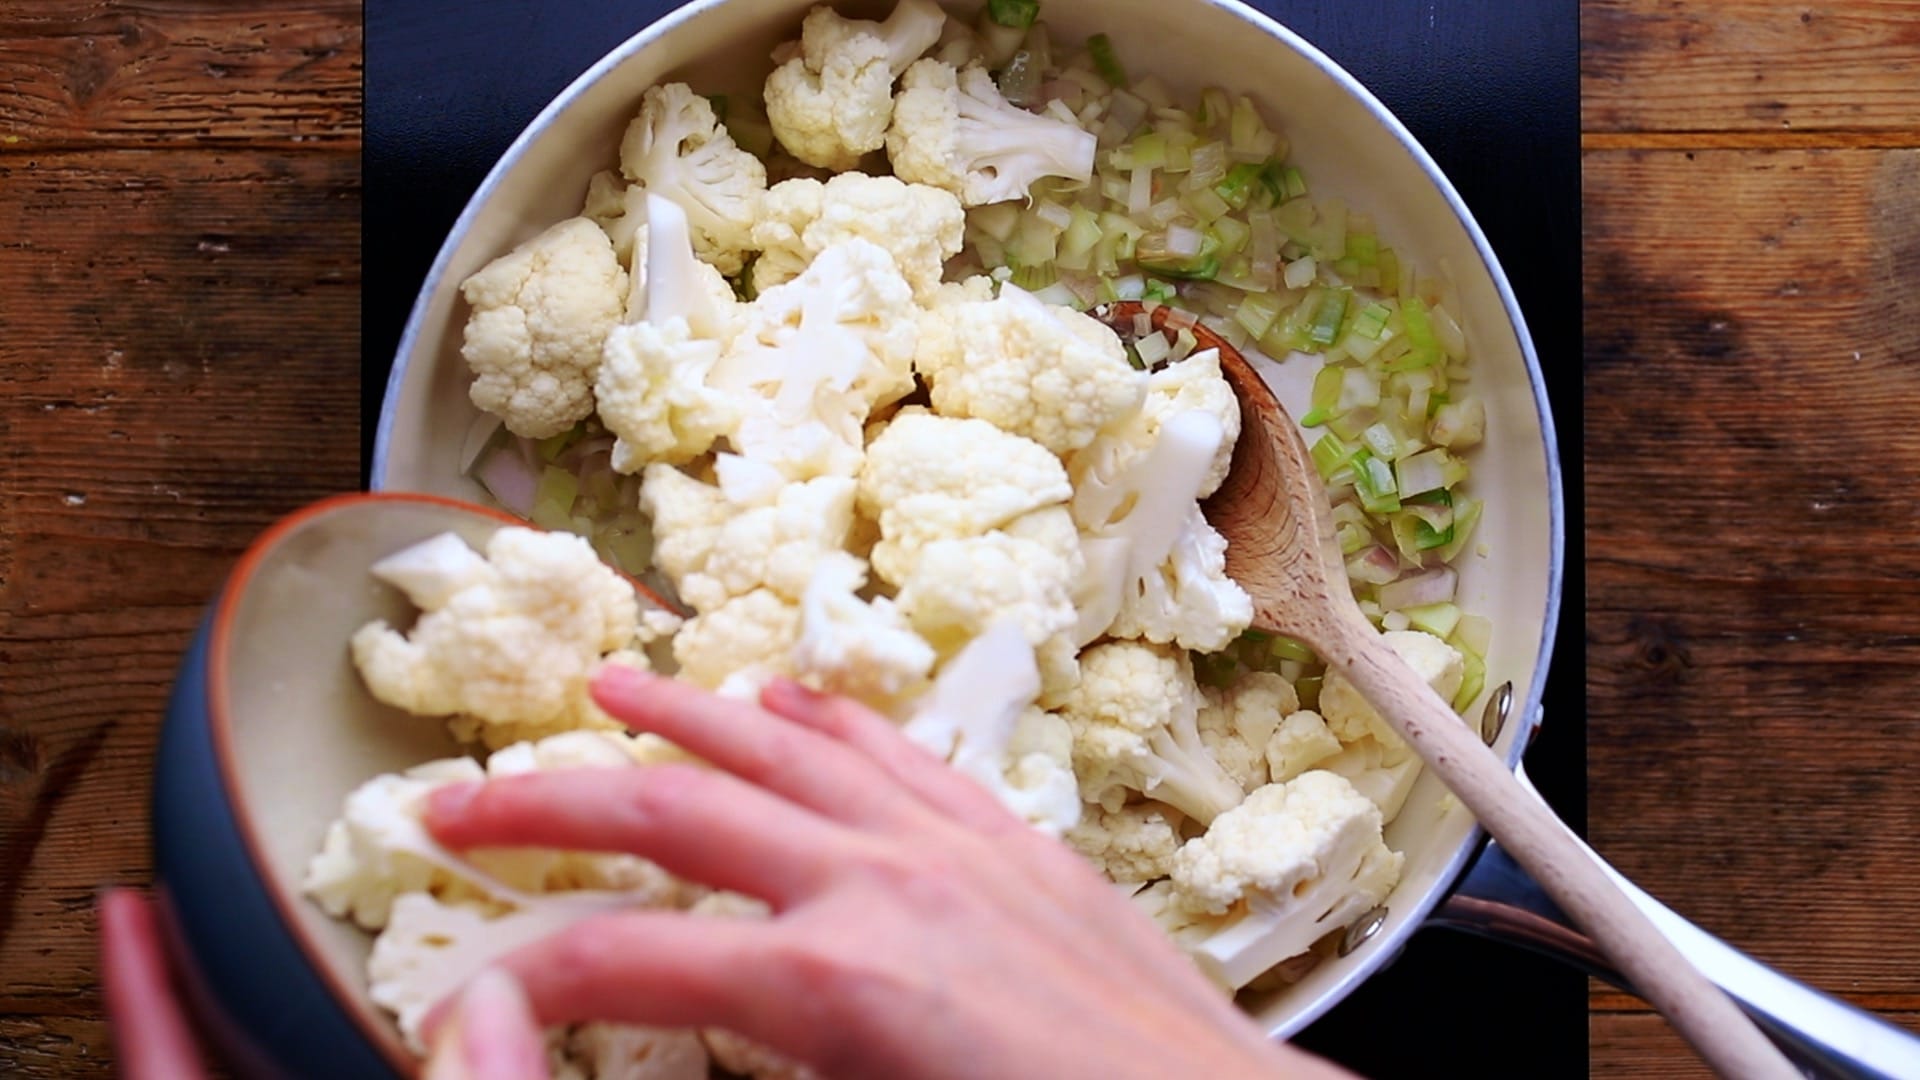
(1278, 522)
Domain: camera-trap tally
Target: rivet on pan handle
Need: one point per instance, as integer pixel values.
(1493, 719)
(1363, 929)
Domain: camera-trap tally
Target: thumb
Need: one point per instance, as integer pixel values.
(491, 1034)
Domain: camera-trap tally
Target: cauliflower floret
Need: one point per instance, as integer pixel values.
(1383, 773)
(1155, 568)
(744, 1057)
(715, 550)
(1135, 729)
(1238, 724)
(930, 478)
(687, 517)
(1192, 384)
(677, 148)
(1291, 864)
(955, 131)
(1347, 713)
(831, 103)
(1131, 844)
(1051, 374)
(619, 209)
(512, 648)
(541, 314)
(367, 858)
(861, 648)
(1301, 742)
(979, 717)
(605, 1051)
(920, 226)
(737, 646)
(959, 586)
(653, 395)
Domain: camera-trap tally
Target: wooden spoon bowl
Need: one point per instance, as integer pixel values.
(1278, 522)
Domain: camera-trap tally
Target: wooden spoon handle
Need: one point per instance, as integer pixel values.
(1705, 1016)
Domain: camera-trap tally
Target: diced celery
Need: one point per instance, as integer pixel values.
(1373, 481)
(1326, 395)
(1106, 61)
(553, 446)
(1237, 186)
(1258, 312)
(1232, 234)
(1423, 472)
(1017, 13)
(1294, 218)
(1150, 150)
(1301, 272)
(1426, 346)
(1389, 272)
(1325, 328)
(1206, 204)
(1286, 648)
(1413, 535)
(553, 498)
(1381, 440)
(1152, 349)
(1436, 619)
(1330, 454)
(997, 220)
(1307, 687)
(1466, 514)
(1474, 635)
(1327, 238)
(1215, 107)
(1160, 292)
(1034, 277)
(1472, 682)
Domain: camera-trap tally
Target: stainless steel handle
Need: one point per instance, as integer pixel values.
(1821, 1034)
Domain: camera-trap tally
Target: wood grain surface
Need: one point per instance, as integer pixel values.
(1752, 431)
(179, 349)
(179, 281)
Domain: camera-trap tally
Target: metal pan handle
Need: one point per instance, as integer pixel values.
(1821, 1034)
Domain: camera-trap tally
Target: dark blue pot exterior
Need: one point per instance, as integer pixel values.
(255, 990)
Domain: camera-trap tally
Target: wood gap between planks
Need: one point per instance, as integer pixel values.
(1750, 140)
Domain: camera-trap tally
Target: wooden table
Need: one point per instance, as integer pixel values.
(179, 284)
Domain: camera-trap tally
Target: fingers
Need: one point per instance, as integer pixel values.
(492, 1034)
(661, 969)
(882, 742)
(745, 741)
(150, 1032)
(697, 823)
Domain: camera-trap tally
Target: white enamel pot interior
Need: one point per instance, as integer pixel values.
(1344, 140)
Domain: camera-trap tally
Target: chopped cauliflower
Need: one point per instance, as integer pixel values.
(687, 517)
(920, 226)
(953, 130)
(736, 647)
(541, 314)
(1238, 724)
(1131, 844)
(1301, 742)
(979, 718)
(744, 1057)
(607, 1051)
(677, 148)
(1347, 713)
(1291, 864)
(861, 648)
(366, 860)
(1051, 374)
(716, 550)
(513, 645)
(929, 478)
(1135, 728)
(1383, 773)
(960, 586)
(619, 209)
(653, 395)
(1192, 384)
(832, 101)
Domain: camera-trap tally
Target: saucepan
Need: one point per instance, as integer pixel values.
(1347, 141)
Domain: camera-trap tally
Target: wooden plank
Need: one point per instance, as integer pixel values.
(179, 367)
(1753, 548)
(1634, 1046)
(179, 72)
(1750, 65)
(32, 1047)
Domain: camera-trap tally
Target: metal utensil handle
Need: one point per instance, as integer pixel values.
(1822, 1035)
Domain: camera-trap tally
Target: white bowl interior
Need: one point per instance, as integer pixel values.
(304, 731)
(1340, 141)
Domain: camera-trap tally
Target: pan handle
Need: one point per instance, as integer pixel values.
(1821, 1034)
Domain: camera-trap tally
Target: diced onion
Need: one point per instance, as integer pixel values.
(1434, 586)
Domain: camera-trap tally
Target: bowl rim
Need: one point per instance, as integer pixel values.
(219, 719)
(1383, 947)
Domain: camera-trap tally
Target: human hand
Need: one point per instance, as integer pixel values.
(489, 1035)
(919, 930)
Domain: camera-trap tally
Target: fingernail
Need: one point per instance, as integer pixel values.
(451, 801)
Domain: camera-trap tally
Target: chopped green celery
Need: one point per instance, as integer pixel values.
(1293, 329)
(603, 489)
(1180, 145)
(1257, 313)
(991, 251)
(1436, 619)
(1371, 323)
(1033, 278)
(1150, 150)
(631, 549)
(1351, 424)
(1237, 186)
(1389, 272)
(1363, 247)
(997, 41)
(1301, 272)
(1105, 61)
(1352, 537)
(1373, 481)
(1217, 670)
(1412, 535)
(1453, 340)
(1206, 204)
(553, 446)
(1083, 232)
(1326, 394)
(553, 498)
(1307, 687)
(1327, 238)
(1381, 440)
(1215, 107)
(1232, 233)
(1426, 346)
(1159, 292)
(1325, 328)
(1152, 349)
(1138, 362)
(1296, 182)
(1131, 287)
(1286, 648)
(1330, 454)
(1246, 131)
(1034, 243)
(1295, 217)
(1123, 231)
(1466, 514)
(1202, 267)
(1474, 635)
(1453, 470)
(997, 220)
(1016, 13)
(1474, 680)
